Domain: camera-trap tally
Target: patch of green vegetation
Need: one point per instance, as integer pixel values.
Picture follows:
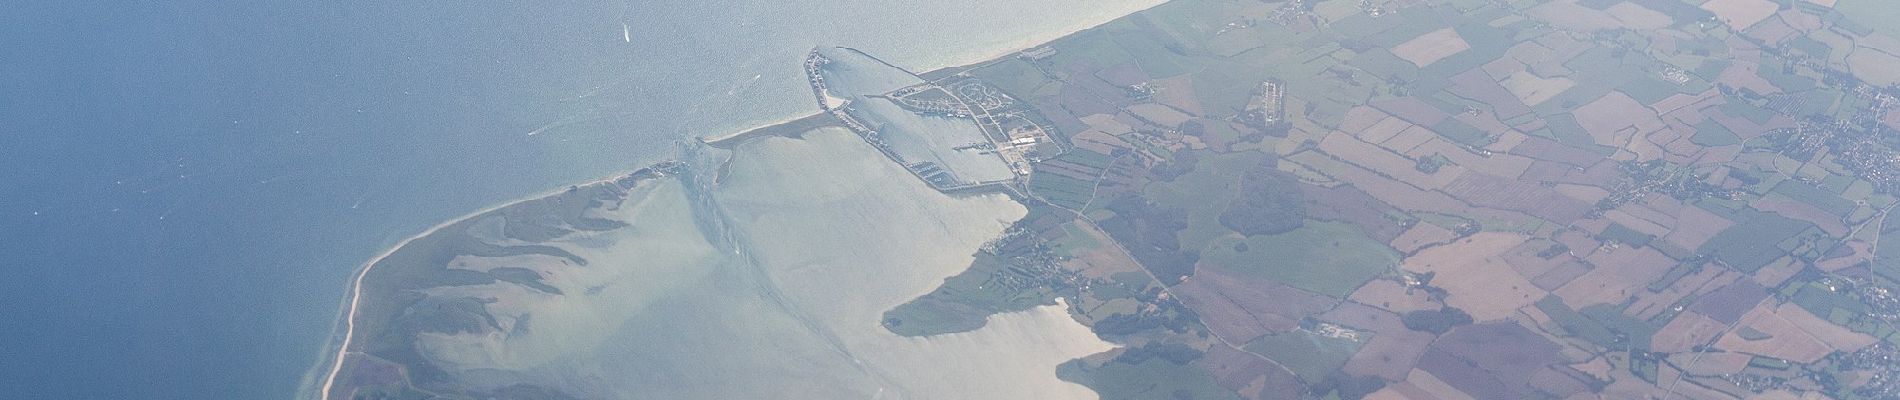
(1219, 95)
(1576, 324)
(1750, 333)
(1204, 193)
(1887, 266)
(1330, 258)
(1625, 235)
(1131, 278)
(1709, 133)
(1644, 366)
(1405, 30)
(1811, 47)
(1062, 190)
(1270, 202)
(1770, 363)
(1074, 239)
(1597, 73)
(1014, 76)
(1871, 13)
(1435, 321)
(1088, 158)
(1741, 108)
(1158, 55)
(1342, 386)
(1311, 356)
(1820, 301)
(1068, 191)
(1837, 184)
(1675, 273)
(1825, 200)
(1648, 89)
(1628, 329)
(1431, 164)
(1154, 377)
(1751, 243)
(1382, 63)
(1092, 47)
(1711, 69)
(1150, 234)
(964, 302)
(1458, 131)
(1565, 129)
(1784, 79)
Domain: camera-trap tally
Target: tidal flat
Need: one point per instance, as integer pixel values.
(759, 272)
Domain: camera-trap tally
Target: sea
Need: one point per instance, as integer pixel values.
(187, 186)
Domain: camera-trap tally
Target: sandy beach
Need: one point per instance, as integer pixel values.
(1026, 42)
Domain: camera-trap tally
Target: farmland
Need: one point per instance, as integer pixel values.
(1450, 199)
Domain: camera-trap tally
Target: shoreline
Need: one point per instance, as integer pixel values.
(796, 125)
(347, 313)
(1010, 48)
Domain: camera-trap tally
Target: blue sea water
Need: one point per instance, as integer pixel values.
(186, 186)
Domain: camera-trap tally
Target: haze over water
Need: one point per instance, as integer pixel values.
(188, 185)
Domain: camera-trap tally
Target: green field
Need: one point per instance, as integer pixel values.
(1329, 258)
(1625, 235)
(1310, 356)
(1204, 193)
(1061, 190)
(1575, 323)
(1067, 191)
(1154, 378)
(965, 302)
(1752, 244)
(1709, 133)
(1878, 14)
(1827, 201)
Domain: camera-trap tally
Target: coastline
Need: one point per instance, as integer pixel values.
(785, 127)
(335, 356)
(1010, 48)
(346, 316)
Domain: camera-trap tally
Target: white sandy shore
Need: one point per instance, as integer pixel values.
(347, 314)
(1026, 42)
(729, 135)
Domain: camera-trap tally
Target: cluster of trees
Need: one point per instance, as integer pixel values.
(1179, 354)
(1181, 164)
(1346, 386)
(1129, 324)
(1269, 202)
(1149, 233)
(1436, 321)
